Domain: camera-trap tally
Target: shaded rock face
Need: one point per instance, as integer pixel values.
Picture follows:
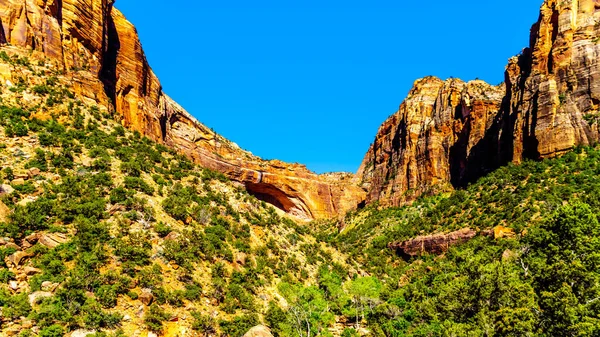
(448, 133)
(440, 136)
(93, 41)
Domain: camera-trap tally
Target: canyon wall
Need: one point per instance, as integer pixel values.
(448, 133)
(100, 50)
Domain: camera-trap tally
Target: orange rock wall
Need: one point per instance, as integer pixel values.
(447, 134)
(95, 41)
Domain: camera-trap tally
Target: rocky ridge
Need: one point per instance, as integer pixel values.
(95, 45)
(448, 133)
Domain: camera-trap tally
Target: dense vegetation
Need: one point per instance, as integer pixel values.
(542, 282)
(138, 218)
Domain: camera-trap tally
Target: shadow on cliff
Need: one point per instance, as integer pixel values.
(108, 72)
(3, 39)
(497, 147)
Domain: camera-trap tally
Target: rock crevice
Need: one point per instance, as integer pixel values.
(448, 133)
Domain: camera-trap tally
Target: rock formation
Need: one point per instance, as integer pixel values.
(447, 133)
(94, 44)
(432, 244)
(441, 242)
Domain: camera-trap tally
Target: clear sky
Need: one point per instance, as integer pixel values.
(310, 81)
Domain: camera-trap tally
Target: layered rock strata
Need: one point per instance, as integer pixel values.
(448, 133)
(100, 50)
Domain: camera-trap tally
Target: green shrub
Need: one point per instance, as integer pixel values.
(154, 318)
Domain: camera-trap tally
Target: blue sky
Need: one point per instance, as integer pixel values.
(310, 81)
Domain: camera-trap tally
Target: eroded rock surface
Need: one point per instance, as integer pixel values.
(101, 51)
(432, 244)
(448, 133)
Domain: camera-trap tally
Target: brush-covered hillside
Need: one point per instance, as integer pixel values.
(106, 233)
(515, 254)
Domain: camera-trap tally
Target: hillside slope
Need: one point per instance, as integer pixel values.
(103, 230)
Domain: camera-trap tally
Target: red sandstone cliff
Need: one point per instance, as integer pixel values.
(94, 43)
(446, 134)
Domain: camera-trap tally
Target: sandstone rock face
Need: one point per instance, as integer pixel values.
(432, 244)
(4, 212)
(100, 49)
(448, 133)
(432, 141)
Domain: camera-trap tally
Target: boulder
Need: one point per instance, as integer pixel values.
(146, 297)
(6, 189)
(81, 333)
(17, 182)
(501, 232)
(4, 212)
(259, 331)
(35, 297)
(33, 172)
(18, 257)
(52, 240)
(31, 271)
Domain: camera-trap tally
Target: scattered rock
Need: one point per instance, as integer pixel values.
(152, 334)
(31, 271)
(172, 236)
(116, 208)
(49, 286)
(18, 257)
(6, 189)
(241, 258)
(259, 331)
(33, 238)
(13, 246)
(13, 285)
(146, 297)
(33, 172)
(82, 333)
(53, 240)
(35, 297)
(4, 212)
(127, 318)
(17, 182)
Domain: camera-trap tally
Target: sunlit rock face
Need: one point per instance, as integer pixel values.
(93, 42)
(448, 133)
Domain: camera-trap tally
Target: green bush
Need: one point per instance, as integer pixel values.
(155, 317)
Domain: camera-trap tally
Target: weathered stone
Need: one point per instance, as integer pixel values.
(82, 333)
(6, 189)
(432, 244)
(33, 172)
(448, 133)
(18, 257)
(13, 285)
(259, 331)
(18, 181)
(4, 212)
(52, 240)
(35, 297)
(146, 297)
(92, 35)
(31, 271)
(501, 232)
